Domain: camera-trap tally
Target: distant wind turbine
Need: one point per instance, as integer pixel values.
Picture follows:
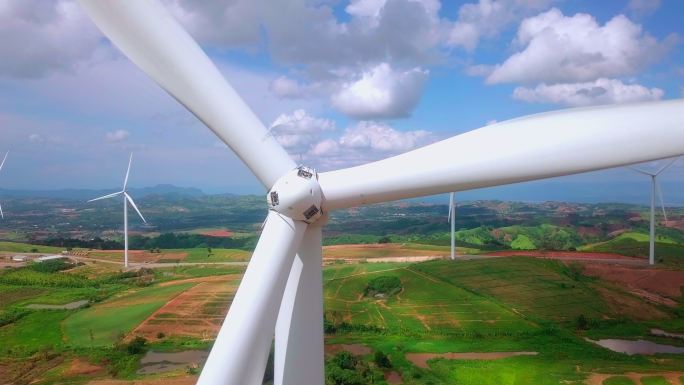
(655, 188)
(127, 199)
(452, 219)
(2, 216)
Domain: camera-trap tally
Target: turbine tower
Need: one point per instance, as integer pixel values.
(452, 220)
(2, 216)
(655, 189)
(126, 200)
(281, 291)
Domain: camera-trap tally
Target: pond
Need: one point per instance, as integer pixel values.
(631, 347)
(157, 362)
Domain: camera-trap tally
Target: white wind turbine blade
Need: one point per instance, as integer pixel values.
(660, 196)
(3, 160)
(128, 171)
(666, 166)
(241, 348)
(130, 200)
(2, 216)
(640, 171)
(535, 147)
(147, 33)
(106, 196)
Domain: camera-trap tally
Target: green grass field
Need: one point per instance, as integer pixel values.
(537, 289)
(38, 330)
(104, 323)
(16, 247)
(216, 255)
(424, 303)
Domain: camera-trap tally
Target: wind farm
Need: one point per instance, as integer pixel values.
(336, 267)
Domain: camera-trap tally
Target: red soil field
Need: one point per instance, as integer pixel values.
(218, 233)
(666, 283)
(197, 312)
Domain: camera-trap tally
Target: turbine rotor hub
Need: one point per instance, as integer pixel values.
(297, 195)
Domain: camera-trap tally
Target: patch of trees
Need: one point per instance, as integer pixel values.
(70, 243)
(346, 369)
(191, 241)
(27, 277)
(51, 266)
(382, 286)
(163, 241)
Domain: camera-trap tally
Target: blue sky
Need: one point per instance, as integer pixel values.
(338, 82)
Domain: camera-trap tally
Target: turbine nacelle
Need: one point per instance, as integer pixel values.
(297, 195)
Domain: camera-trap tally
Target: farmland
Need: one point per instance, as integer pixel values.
(520, 308)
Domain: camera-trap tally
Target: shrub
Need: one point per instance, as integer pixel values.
(381, 360)
(582, 323)
(137, 346)
(383, 286)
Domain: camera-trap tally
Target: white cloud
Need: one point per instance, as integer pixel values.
(381, 137)
(560, 49)
(364, 142)
(316, 140)
(601, 91)
(487, 18)
(298, 131)
(117, 136)
(35, 138)
(643, 7)
(38, 37)
(381, 92)
(285, 87)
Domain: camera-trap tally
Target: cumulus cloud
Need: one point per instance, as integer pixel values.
(38, 37)
(381, 92)
(298, 131)
(562, 49)
(318, 142)
(487, 18)
(376, 136)
(365, 142)
(601, 91)
(117, 136)
(285, 87)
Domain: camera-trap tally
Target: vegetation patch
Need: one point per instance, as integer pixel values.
(383, 286)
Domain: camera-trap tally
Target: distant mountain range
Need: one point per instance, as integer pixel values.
(85, 194)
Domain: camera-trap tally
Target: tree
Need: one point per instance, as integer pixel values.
(381, 360)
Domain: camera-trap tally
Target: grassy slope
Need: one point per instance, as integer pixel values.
(541, 291)
(37, 330)
(15, 247)
(107, 320)
(423, 304)
(537, 289)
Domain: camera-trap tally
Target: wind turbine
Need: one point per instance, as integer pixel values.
(655, 188)
(126, 200)
(2, 216)
(452, 220)
(281, 291)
